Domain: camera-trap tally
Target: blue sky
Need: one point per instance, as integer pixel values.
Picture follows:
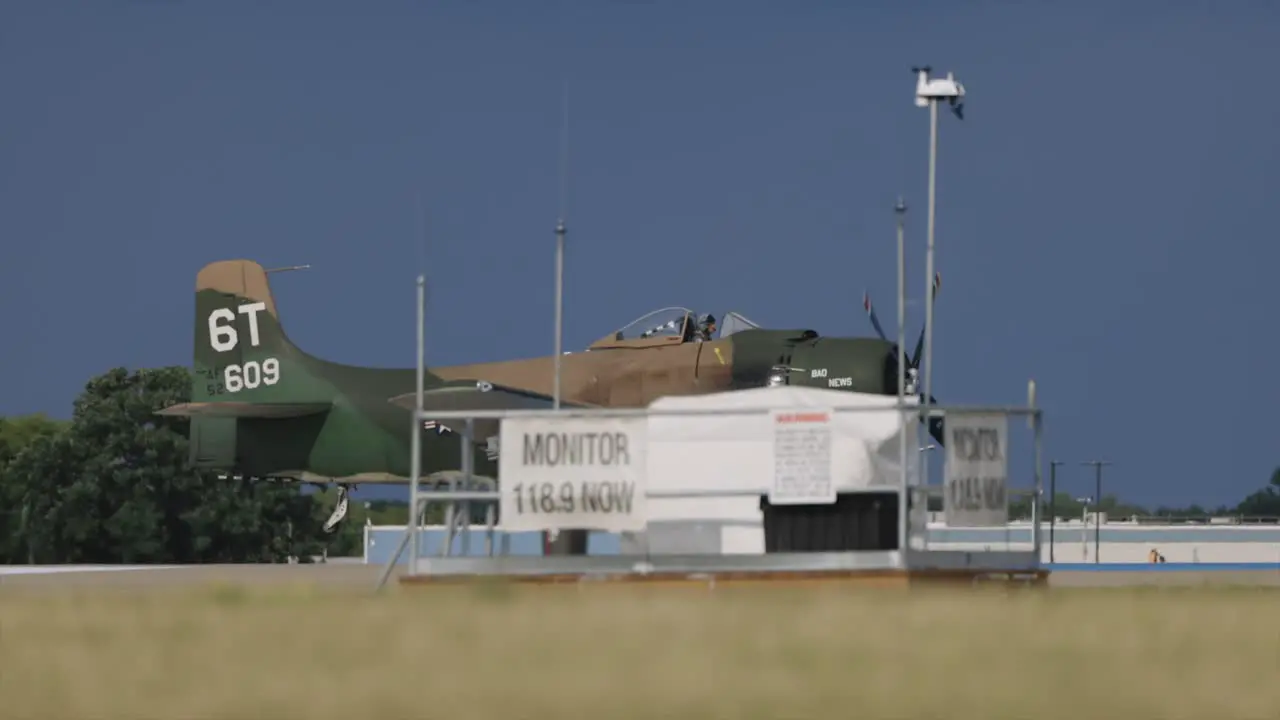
(1102, 220)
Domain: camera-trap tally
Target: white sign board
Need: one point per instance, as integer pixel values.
(802, 468)
(977, 474)
(573, 473)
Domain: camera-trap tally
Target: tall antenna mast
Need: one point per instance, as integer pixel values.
(560, 233)
(567, 541)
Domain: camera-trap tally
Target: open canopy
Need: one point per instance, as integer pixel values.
(670, 326)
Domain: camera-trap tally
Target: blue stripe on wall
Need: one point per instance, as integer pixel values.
(430, 542)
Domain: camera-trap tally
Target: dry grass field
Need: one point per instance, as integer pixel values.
(632, 651)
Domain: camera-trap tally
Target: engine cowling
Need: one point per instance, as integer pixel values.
(865, 365)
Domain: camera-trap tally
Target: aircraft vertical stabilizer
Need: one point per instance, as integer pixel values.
(244, 365)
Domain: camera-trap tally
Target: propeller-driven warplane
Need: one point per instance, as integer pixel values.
(263, 408)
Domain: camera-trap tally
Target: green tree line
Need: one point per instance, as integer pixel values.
(113, 485)
(1263, 504)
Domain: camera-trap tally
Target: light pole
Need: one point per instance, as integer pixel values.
(1053, 494)
(1097, 505)
(928, 93)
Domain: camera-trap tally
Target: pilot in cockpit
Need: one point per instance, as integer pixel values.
(706, 327)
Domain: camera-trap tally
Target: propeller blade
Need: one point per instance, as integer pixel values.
(915, 356)
(935, 425)
(871, 312)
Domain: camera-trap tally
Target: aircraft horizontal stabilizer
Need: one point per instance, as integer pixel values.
(244, 410)
(478, 395)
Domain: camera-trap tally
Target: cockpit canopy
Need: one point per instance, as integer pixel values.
(670, 326)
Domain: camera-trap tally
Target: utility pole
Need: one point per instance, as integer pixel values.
(1053, 494)
(1097, 503)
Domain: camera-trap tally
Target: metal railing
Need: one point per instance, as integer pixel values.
(459, 493)
(909, 415)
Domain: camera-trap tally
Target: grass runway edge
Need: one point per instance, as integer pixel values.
(299, 647)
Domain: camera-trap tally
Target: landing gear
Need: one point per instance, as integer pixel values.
(340, 512)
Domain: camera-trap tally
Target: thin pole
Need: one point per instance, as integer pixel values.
(1097, 504)
(468, 473)
(901, 210)
(560, 233)
(415, 442)
(1097, 514)
(1037, 510)
(1084, 530)
(928, 307)
(1053, 495)
(904, 517)
(571, 537)
(559, 344)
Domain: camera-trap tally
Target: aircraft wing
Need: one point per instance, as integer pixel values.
(244, 409)
(478, 395)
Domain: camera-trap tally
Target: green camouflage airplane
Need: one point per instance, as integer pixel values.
(263, 408)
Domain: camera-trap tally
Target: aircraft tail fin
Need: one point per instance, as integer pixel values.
(241, 351)
(251, 388)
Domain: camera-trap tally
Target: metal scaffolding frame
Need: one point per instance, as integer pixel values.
(460, 491)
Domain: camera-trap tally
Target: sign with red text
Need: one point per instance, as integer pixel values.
(802, 468)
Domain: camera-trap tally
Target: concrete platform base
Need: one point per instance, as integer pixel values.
(861, 578)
